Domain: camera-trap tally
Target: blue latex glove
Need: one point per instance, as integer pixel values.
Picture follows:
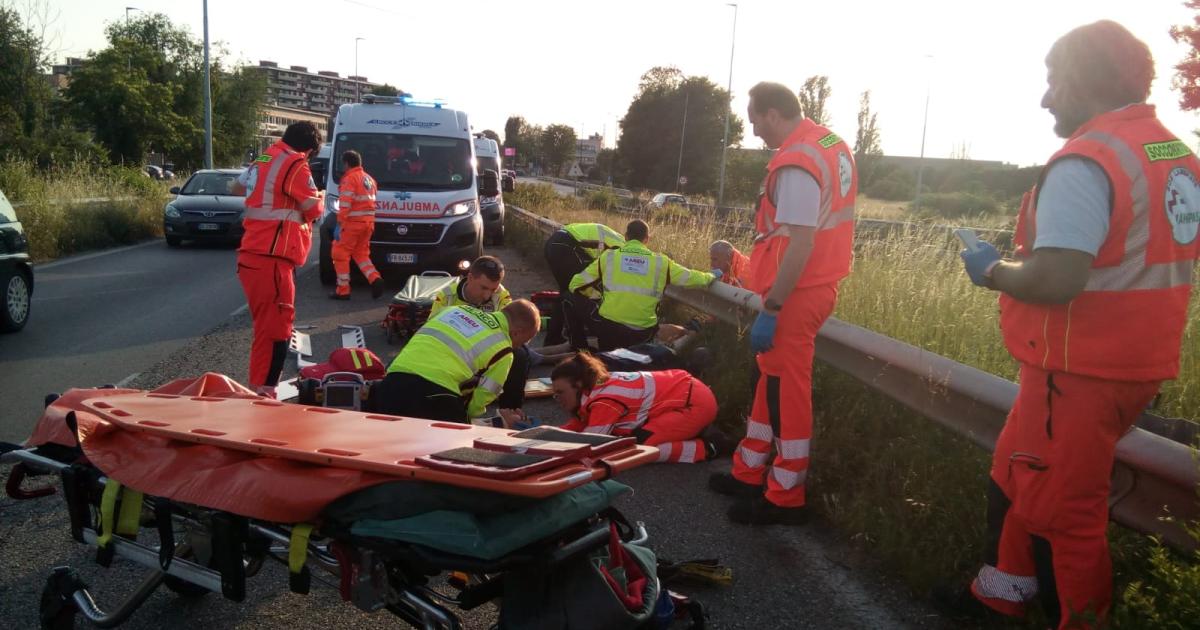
(337, 231)
(979, 262)
(717, 274)
(762, 333)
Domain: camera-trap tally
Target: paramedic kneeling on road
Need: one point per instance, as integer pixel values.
(667, 409)
(482, 289)
(632, 280)
(280, 210)
(456, 364)
(805, 225)
(355, 225)
(1093, 306)
(568, 251)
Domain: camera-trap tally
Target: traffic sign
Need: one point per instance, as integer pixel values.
(575, 171)
(683, 180)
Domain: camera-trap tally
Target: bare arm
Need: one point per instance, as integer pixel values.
(1050, 276)
(795, 258)
(237, 188)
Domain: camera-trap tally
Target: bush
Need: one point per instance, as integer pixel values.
(956, 205)
(57, 223)
(605, 200)
(897, 185)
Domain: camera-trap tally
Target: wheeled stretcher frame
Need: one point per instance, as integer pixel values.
(220, 550)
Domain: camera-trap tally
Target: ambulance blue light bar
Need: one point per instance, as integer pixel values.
(404, 98)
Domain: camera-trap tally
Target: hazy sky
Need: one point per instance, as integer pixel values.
(578, 63)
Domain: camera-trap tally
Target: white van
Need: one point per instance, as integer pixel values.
(491, 208)
(422, 158)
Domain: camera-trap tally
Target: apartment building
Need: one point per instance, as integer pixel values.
(321, 92)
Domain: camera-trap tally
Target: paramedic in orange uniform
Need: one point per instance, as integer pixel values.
(280, 210)
(805, 230)
(1093, 306)
(356, 223)
(668, 409)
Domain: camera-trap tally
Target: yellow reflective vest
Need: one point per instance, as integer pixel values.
(632, 280)
(451, 295)
(463, 349)
(594, 238)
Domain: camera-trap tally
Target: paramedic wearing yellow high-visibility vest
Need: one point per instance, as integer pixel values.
(482, 289)
(456, 364)
(632, 280)
(568, 251)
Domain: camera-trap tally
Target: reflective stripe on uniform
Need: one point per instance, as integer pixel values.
(759, 430)
(752, 458)
(996, 584)
(788, 479)
(792, 449)
(664, 452)
(277, 162)
(470, 355)
(490, 385)
(274, 214)
(647, 397)
(1133, 274)
(361, 213)
(688, 456)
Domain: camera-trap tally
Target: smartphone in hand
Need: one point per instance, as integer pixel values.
(968, 238)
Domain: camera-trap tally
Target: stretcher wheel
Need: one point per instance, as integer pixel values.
(57, 610)
(183, 588)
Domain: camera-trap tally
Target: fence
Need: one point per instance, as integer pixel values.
(1153, 476)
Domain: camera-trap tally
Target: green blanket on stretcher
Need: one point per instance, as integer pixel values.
(495, 532)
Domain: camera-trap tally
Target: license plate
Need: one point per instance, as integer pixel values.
(209, 227)
(402, 259)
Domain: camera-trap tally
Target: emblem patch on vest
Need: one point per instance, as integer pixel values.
(639, 265)
(845, 172)
(829, 140)
(1182, 205)
(1171, 150)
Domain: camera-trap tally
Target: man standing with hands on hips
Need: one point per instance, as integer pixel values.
(805, 225)
(280, 210)
(1093, 306)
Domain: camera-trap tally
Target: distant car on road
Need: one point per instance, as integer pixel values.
(16, 270)
(205, 208)
(662, 200)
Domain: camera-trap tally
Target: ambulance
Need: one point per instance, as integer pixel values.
(487, 155)
(422, 157)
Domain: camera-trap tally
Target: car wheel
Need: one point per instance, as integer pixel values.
(174, 241)
(498, 237)
(16, 296)
(325, 264)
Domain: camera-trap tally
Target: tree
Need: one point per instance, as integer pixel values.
(866, 140)
(387, 89)
(488, 133)
(605, 166)
(1187, 76)
(557, 144)
(744, 175)
(145, 91)
(652, 132)
(813, 97)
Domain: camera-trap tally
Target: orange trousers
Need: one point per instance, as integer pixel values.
(676, 433)
(781, 416)
(270, 289)
(1048, 508)
(354, 241)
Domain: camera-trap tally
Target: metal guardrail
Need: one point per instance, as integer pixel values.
(1153, 476)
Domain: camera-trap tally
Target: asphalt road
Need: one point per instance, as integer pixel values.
(783, 577)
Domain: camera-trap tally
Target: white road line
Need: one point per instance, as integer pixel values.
(239, 310)
(75, 259)
(128, 379)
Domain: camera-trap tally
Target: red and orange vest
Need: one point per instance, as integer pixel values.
(627, 400)
(274, 224)
(824, 156)
(1128, 322)
(356, 197)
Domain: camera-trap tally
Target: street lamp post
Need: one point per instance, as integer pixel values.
(682, 135)
(128, 59)
(921, 160)
(728, 111)
(357, 79)
(208, 141)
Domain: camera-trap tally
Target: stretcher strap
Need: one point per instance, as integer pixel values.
(299, 577)
(130, 517)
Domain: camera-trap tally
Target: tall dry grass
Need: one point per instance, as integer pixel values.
(57, 220)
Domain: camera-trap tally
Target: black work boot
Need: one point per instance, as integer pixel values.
(377, 288)
(727, 484)
(759, 511)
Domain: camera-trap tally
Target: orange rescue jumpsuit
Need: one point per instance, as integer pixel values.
(356, 223)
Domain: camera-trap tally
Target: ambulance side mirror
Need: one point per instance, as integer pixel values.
(489, 183)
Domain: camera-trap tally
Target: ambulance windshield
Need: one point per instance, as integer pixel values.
(409, 162)
(488, 164)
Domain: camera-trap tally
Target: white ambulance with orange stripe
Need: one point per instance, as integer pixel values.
(422, 158)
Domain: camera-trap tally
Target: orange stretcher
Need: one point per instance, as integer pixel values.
(387, 445)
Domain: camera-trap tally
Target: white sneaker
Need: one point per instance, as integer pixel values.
(266, 391)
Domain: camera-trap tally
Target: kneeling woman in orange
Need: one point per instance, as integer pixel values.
(667, 409)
